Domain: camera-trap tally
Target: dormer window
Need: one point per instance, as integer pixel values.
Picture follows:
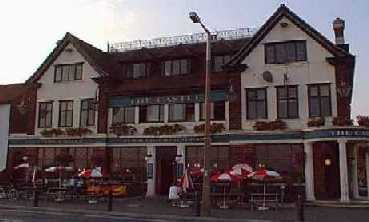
(219, 61)
(176, 67)
(285, 52)
(137, 70)
(68, 72)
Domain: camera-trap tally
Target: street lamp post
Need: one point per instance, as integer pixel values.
(205, 206)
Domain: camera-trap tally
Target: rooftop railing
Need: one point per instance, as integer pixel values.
(182, 39)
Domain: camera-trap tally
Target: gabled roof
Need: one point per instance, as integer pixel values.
(284, 11)
(11, 92)
(99, 60)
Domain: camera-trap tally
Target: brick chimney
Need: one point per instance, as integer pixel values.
(339, 28)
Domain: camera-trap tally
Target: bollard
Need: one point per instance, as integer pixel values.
(300, 208)
(35, 198)
(197, 204)
(110, 200)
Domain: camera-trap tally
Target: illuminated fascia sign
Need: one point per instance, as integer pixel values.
(125, 101)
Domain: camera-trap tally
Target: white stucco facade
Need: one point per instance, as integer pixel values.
(4, 134)
(75, 90)
(313, 71)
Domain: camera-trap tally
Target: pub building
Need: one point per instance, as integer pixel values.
(277, 94)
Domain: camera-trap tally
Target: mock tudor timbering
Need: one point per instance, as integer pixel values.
(141, 110)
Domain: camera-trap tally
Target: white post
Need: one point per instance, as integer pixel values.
(309, 171)
(151, 159)
(367, 170)
(355, 182)
(343, 171)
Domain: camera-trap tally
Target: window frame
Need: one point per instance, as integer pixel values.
(65, 113)
(143, 112)
(129, 72)
(284, 44)
(224, 61)
(73, 66)
(288, 101)
(319, 85)
(51, 116)
(171, 71)
(213, 106)
(125, 110)
(88, 110)
(186, 117)
(265, 101)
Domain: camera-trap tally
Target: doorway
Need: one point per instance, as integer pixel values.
(326, 171)
(165, 169)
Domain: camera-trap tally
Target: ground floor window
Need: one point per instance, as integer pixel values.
(129, 163)
(218, 155)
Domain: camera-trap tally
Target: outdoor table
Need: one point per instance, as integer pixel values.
(58, 192)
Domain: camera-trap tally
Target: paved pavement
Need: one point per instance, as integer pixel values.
(139, 209)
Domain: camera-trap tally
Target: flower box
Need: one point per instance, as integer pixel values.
(277, 124)
(163, 130)
(342, 121)
(121, 129)
(363, 121)
(316, 122)
(214, 128)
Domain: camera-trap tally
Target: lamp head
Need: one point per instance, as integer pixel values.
(194, 17)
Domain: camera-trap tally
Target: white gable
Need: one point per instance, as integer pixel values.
(315, 70)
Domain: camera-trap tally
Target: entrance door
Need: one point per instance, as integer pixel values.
(326, 171)
(165, 169)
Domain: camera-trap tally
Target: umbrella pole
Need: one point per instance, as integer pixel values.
(264, 196)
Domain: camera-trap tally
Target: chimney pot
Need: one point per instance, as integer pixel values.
(339, 28)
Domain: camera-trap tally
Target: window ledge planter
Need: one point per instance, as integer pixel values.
(122, 129)
(214, 128)
(270, 126)
(342, 121)
(363, 121)
(163, 130)
(56, 132)
(316, 122)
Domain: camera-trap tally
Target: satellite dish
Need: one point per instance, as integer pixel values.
(267, 76)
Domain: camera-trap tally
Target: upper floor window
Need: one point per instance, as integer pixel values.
(176, 67)
(285, 52)
(219, 61)
(68, 72)
(45, 115)
(66, 113)
(87, 117)
(320, 100)
(217, 110)
(124, 114)
(138, 70)
(256, 103)
(152, 113)
(182, 112)
(287, 102)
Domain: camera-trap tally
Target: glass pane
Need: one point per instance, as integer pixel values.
(313, 90)
(314, 107)
(290, 50)
(65, 72)
(176, 67)
(261, 94)
(62, 119)
(261, 110)
(252, 110)
(281, 54)
(184, 66)
(58, 73)
(218, 62)
(292, 92)
(326, 108)
(282, 92)
(269, 54)
(282, 109)
(69, 118)
(324, 90)
(301, 51)
(218, 110)
(91, 118)
(177, 112)
(152, 113)
(78, 75)
(118, 115)
(83, 118)
(167, 68)
(251, 94)
(130, 115)
(292, 109)
(190, 112)
(70, 105)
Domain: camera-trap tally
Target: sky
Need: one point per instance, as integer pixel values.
(30, 29)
